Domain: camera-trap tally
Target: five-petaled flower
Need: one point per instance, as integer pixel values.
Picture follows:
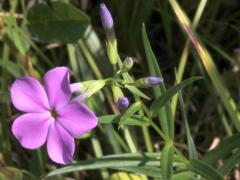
(50, 114)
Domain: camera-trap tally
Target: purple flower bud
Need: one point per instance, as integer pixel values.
(106, 17)
(123, 102)
(153, 80)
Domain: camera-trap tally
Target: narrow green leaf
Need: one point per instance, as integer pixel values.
(156, 172)
(164, 98)
(223, 149)
(192, 148)
(137, 92)
(151, 58)
(146, 170)
(185, 53)
(167, 161)
(165, 115)
(185, 175)
(61, 23)
(204, 169)
(135, 120)
(130, 111)
(112, 161)
(230, 163)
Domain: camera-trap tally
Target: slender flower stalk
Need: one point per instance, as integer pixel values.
(50, 115)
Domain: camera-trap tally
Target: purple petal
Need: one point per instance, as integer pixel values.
(76, 118)
(60, 144)
(31, 129)
(28, 95)
(58, 87)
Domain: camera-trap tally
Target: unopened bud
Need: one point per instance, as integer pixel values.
(127, 65)
(106, 17)
(148, 82)
(153, 80)
(123, 102)
(107, 23)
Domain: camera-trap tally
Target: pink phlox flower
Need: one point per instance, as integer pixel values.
(50, 114)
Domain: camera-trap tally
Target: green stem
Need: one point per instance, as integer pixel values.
(99, 75)
(147, 139)
(129, 139)
(112, 138)
(90, 59)
(226, 125)
(40, 162)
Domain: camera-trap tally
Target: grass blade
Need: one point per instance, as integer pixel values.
(208, 63)
(146, 170)
(167, 161)
(114, 161)
(185, 53)
(158, 90)
(192, 147)
(205, 170)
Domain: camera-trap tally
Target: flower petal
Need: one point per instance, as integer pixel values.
(28, 95)
(77, 118)
(60, 144)
(58, 87)
(31, 129)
